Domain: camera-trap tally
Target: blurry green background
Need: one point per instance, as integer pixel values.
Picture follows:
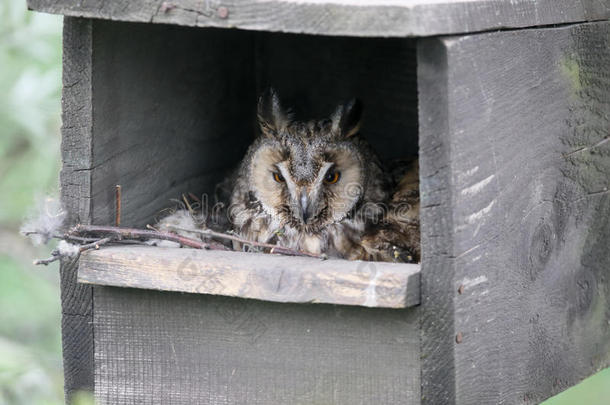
(30, 91)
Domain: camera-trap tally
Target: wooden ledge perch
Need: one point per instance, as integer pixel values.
(253, 275)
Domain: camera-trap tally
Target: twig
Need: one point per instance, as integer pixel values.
(61, 236)
(82, 239)
(117, 197)
(212, 246)
(95, 245)
(130, 242)
(75, 238)
(48, 260)
(56, 255)
(132, 233)
(186, 201)
(273, 248)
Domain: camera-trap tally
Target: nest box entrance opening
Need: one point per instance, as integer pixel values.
(174, 108)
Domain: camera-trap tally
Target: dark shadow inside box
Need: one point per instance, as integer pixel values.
(174, 107)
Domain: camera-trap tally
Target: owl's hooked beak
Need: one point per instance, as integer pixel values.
(306, 207)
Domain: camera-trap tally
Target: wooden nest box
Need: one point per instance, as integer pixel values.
(507, 105)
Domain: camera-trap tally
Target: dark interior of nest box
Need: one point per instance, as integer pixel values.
(174, 107)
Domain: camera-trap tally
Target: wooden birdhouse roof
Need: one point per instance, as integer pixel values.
(366, 18)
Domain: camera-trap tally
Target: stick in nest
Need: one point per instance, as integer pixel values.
(117, 235)
(133, 233)
(56, 254)
(83, 233)
(273, 248)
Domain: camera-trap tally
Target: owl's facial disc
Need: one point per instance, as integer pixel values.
(307, 196)
(307, 193)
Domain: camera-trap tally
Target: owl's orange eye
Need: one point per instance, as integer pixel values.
(332, 177)
(278, 177)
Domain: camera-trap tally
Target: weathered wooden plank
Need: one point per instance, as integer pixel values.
(254, 275)
(76, 151)
(386, 18)
(169, 348)
(437, 295)
(522, 120)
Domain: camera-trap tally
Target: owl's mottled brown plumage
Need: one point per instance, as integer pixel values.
(396, 237)
(319, 187)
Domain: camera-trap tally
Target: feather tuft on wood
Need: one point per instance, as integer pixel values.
(67, 249)
(45, 221)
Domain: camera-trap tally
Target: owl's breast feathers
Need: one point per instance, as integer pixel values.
(373, 230)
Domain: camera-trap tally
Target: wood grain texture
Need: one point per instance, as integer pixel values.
(254, 275)
(436, 217)
(522, 119)
(169, 348)
(173, 111)
(383, 18)
(76, 151)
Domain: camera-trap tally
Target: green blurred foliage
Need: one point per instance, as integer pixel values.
(30, 86)
(593, 391)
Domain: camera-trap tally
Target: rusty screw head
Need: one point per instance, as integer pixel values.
(461, 289)
(458, 337)
(222, 12)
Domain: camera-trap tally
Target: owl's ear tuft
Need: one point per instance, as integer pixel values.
(272, 118)
(347, 119)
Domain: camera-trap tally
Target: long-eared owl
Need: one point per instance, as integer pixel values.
(319, 187)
